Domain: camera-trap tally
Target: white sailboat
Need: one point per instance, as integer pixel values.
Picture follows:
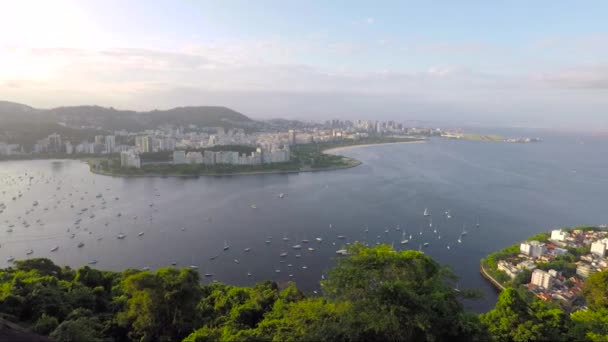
(464, 231)
(403, 239)
(426, 212)
(226, 246)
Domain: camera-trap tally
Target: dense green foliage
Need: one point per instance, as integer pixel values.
(376, 294)
(542, 237)
(514, 320)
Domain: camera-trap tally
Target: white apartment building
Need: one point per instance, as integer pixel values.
(130, 159)
(598, 248)
(558, 235)
(533, 249)
(542, 279)
(110, 142)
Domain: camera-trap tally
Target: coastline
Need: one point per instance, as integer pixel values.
(334, 151)
(352, 163)
(349, 163)
(497, 285)
(343, 148)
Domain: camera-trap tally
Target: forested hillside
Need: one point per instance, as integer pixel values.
(375, 294)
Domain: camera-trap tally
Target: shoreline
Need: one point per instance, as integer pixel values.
(352, 163)
(349, 163)
(350, 147)
(495, 283)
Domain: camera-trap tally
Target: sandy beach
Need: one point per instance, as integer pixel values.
(338, 149)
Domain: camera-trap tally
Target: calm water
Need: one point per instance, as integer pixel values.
(513, 190)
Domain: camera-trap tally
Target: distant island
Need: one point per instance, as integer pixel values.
(303, 158)
(489, 138)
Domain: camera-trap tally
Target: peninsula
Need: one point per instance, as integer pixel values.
(302, 158)
(550, 266)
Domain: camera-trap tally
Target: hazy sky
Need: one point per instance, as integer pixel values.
(538, 63)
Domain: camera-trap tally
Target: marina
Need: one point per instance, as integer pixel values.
(192, 221)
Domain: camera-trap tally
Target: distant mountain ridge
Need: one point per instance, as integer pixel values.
(23, 124)
(114, 119)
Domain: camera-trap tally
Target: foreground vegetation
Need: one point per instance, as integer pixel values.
(305, 157)
(375, 294)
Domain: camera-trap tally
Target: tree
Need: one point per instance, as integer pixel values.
(42, 266)
(508, 314)
(590, 325)
(82, 329)
(512, 319)
(45, 324)
(395, 295)
(596, 290)
(162, 305)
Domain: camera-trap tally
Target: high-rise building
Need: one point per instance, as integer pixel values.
(558, 235)
(542, 279)
(130, 159)
(143, 143)
(99, 140)
(599, 247)
(69, 149)
(110, 142)
(55, 143)
(292, 137)
(533, 249)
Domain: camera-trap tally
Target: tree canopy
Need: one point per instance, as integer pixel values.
(375, 294)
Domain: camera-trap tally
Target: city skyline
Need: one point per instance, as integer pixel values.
(540, 65)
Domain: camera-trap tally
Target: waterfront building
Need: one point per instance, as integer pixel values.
(194, 157)
(8, 149)
(130, 159)
(558, 235)
(209, 158)
(542, 279)
(110, 142)
(526, 265)
(508, 268)
(54, 143)
(179, 157)
(533, 249)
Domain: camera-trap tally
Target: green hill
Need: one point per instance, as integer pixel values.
(25, 125)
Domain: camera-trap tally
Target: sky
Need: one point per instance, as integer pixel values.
(512, 63)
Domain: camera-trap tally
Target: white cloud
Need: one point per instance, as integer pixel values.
(224, 75)
(590, 77)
